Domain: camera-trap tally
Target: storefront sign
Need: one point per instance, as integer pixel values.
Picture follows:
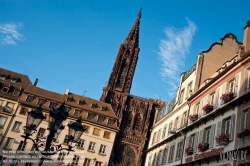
(204, 155)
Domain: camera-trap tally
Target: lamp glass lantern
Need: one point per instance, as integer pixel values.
(76, 130)
(35, 117)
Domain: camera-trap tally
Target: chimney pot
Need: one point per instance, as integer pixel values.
(36, 81)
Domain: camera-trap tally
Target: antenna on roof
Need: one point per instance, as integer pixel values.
(84, 93)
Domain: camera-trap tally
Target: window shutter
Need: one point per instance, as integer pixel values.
(236, 85)
(166, 133)
(186, 144)
(200, 111)
(203, 104)
(201, 136)
(224, 88)
(218, 132)
(195, 142)
(216, 97)
(247, 78)
(232, 127)
(178, 124)
(211, 136)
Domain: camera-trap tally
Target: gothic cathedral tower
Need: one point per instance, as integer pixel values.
(135, 114)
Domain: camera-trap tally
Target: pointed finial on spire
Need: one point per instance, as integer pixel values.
(139, 14)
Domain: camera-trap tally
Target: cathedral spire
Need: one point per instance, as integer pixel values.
(132, 39)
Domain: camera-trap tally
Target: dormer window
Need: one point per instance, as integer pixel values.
(111, 122)
(5, 89)
(82, 102)
(52, 105)
(94, 106)
(40, 102)
(104, 108)
(70, 99)
(90, 116)
(13, 80)
(100, 119)
(29, 98)
(77, 112)
(16, 92)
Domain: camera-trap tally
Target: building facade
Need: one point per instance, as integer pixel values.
(95, 145)
(216, 111)
(135, 114)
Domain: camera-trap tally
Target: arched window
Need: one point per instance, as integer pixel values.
(129, 120)
(137, 123)
(122, 74)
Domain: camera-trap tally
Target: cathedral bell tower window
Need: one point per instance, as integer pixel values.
(122, 74)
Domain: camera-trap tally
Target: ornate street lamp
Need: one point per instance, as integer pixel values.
(57, 116)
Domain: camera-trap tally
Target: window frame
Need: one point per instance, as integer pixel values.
(16, 128)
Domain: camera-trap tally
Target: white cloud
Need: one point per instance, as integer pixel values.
(9, 33)
(173, 51)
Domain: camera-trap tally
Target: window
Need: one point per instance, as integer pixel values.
(52, 105)
(91, 146)
(100, 119)
(98, 163)
(111, 122)
(102, 149)
(70, 99)
(171, 154)
(61, 156)
(86, 162)
(41, 132)
(94, 106)
(179, 150)
(104, 108)
(75, 160)
(181, 96)
(106, 134)
(90, 116)
(169, 128)
(77, 112)
(176, 125)
(2, 77)
(16, 126)
(33, 150)
(192, 139)
(29, 98)
(22, 145)
(65, 141)
(189, 89)
(207, 134)
(246, 119)
(184, 119)
(248, 79)
(1, 102)
(232, 86)
(159, 135)
(197, 108)
(82, 102)
(16, 92)
(164, 132)
(86, 129)
(9, 106)
(80, 143)
(96, 132)
(8, 144)
(2, 121)
(40, 102)
(154, 138)
(13, 80)
(228, 126)
(165, 154)
(212, 98)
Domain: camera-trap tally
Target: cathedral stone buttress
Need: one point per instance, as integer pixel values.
(135, 114)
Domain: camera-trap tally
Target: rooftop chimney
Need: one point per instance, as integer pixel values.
(246, 41)
(67, 91)
(36, 81)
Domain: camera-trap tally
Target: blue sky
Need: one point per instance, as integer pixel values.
(73, 44)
